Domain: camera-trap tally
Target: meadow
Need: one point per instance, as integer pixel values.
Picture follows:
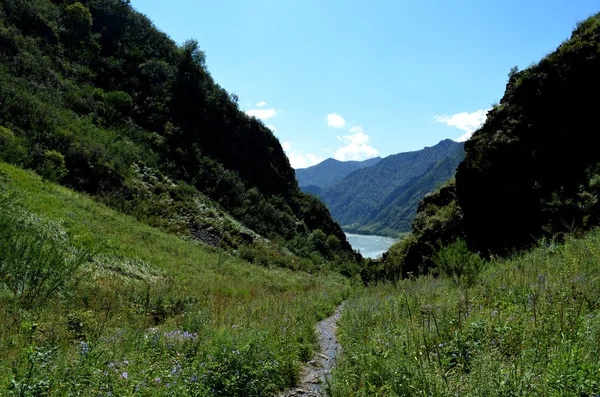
(526, 325)
(94, 303)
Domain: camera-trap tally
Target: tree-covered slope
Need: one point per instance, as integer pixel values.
(93, 96)
(533, 168)
(382, 198)
(530, 172)
(398, 210)
(329, 172)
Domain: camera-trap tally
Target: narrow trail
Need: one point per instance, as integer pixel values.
(318, 370)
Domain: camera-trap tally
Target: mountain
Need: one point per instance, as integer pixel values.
(329, 172)
(96, 98)
(532, 170)
(382, 199)
(531, 173)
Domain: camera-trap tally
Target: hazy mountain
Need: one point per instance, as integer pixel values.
(329, 172)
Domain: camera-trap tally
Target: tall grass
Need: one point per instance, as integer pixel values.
(35, 259)
(126, 309)
(531, 326)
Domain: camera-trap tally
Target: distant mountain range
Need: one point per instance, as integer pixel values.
(329, 172)
(380, 196)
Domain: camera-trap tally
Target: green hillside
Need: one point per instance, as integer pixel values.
(93, 96)
(382, 199)
(527, 326)
(93, 302)
(521, 179)
(534, 163)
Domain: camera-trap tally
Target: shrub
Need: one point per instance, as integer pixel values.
(52, 166)
(458, 263)
(11, 149)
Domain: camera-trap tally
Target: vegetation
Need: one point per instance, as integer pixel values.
(533, 163)
(189, 263)
(94, 97)
(530, 326)
(93, 302)
(521, 179)
(382, 199)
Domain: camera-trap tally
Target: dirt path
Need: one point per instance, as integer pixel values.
(318, 370)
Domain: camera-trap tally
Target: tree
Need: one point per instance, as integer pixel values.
(77, 21)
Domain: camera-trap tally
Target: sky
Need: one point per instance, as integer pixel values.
(358, 79)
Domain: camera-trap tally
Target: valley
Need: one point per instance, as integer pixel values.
(155, 239)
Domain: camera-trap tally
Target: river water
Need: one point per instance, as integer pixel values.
(370, 246)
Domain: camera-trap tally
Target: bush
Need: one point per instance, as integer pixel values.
(52, 166)
(458, 263)
(11, 149)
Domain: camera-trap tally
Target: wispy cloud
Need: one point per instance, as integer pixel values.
(261, 104)
(335, 120)
(468, 122)
(271, 127)
(356, 146)
(263, 114)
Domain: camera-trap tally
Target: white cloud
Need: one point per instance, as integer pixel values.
(356, 146)
(468, 122)
(263, 114)
(271, 127)
(261, 104)
(303, 160)
(335, 120)
(299, 159)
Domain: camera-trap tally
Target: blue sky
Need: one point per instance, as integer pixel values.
(357, 79)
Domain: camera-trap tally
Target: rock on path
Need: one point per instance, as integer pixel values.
(318, 370)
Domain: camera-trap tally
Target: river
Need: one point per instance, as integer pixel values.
(370, 246)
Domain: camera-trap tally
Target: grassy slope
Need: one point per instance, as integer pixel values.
(533, 328)
(253, 325)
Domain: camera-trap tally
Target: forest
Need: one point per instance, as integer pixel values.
(96, 98)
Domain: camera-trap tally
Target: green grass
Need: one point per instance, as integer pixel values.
(144, 312)
(530, 326)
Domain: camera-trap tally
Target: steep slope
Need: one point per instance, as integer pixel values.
(95, 97)
(383, 197)
(530, 173)
(329, 172)
(92, 300)
(397, 211)
(533, 168)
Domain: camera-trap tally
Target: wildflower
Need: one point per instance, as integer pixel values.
(124, 375)
(157, 380)
(541, 278)
(84, 348)
(194, 378)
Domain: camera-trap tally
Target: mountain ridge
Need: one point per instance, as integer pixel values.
(330, 171)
